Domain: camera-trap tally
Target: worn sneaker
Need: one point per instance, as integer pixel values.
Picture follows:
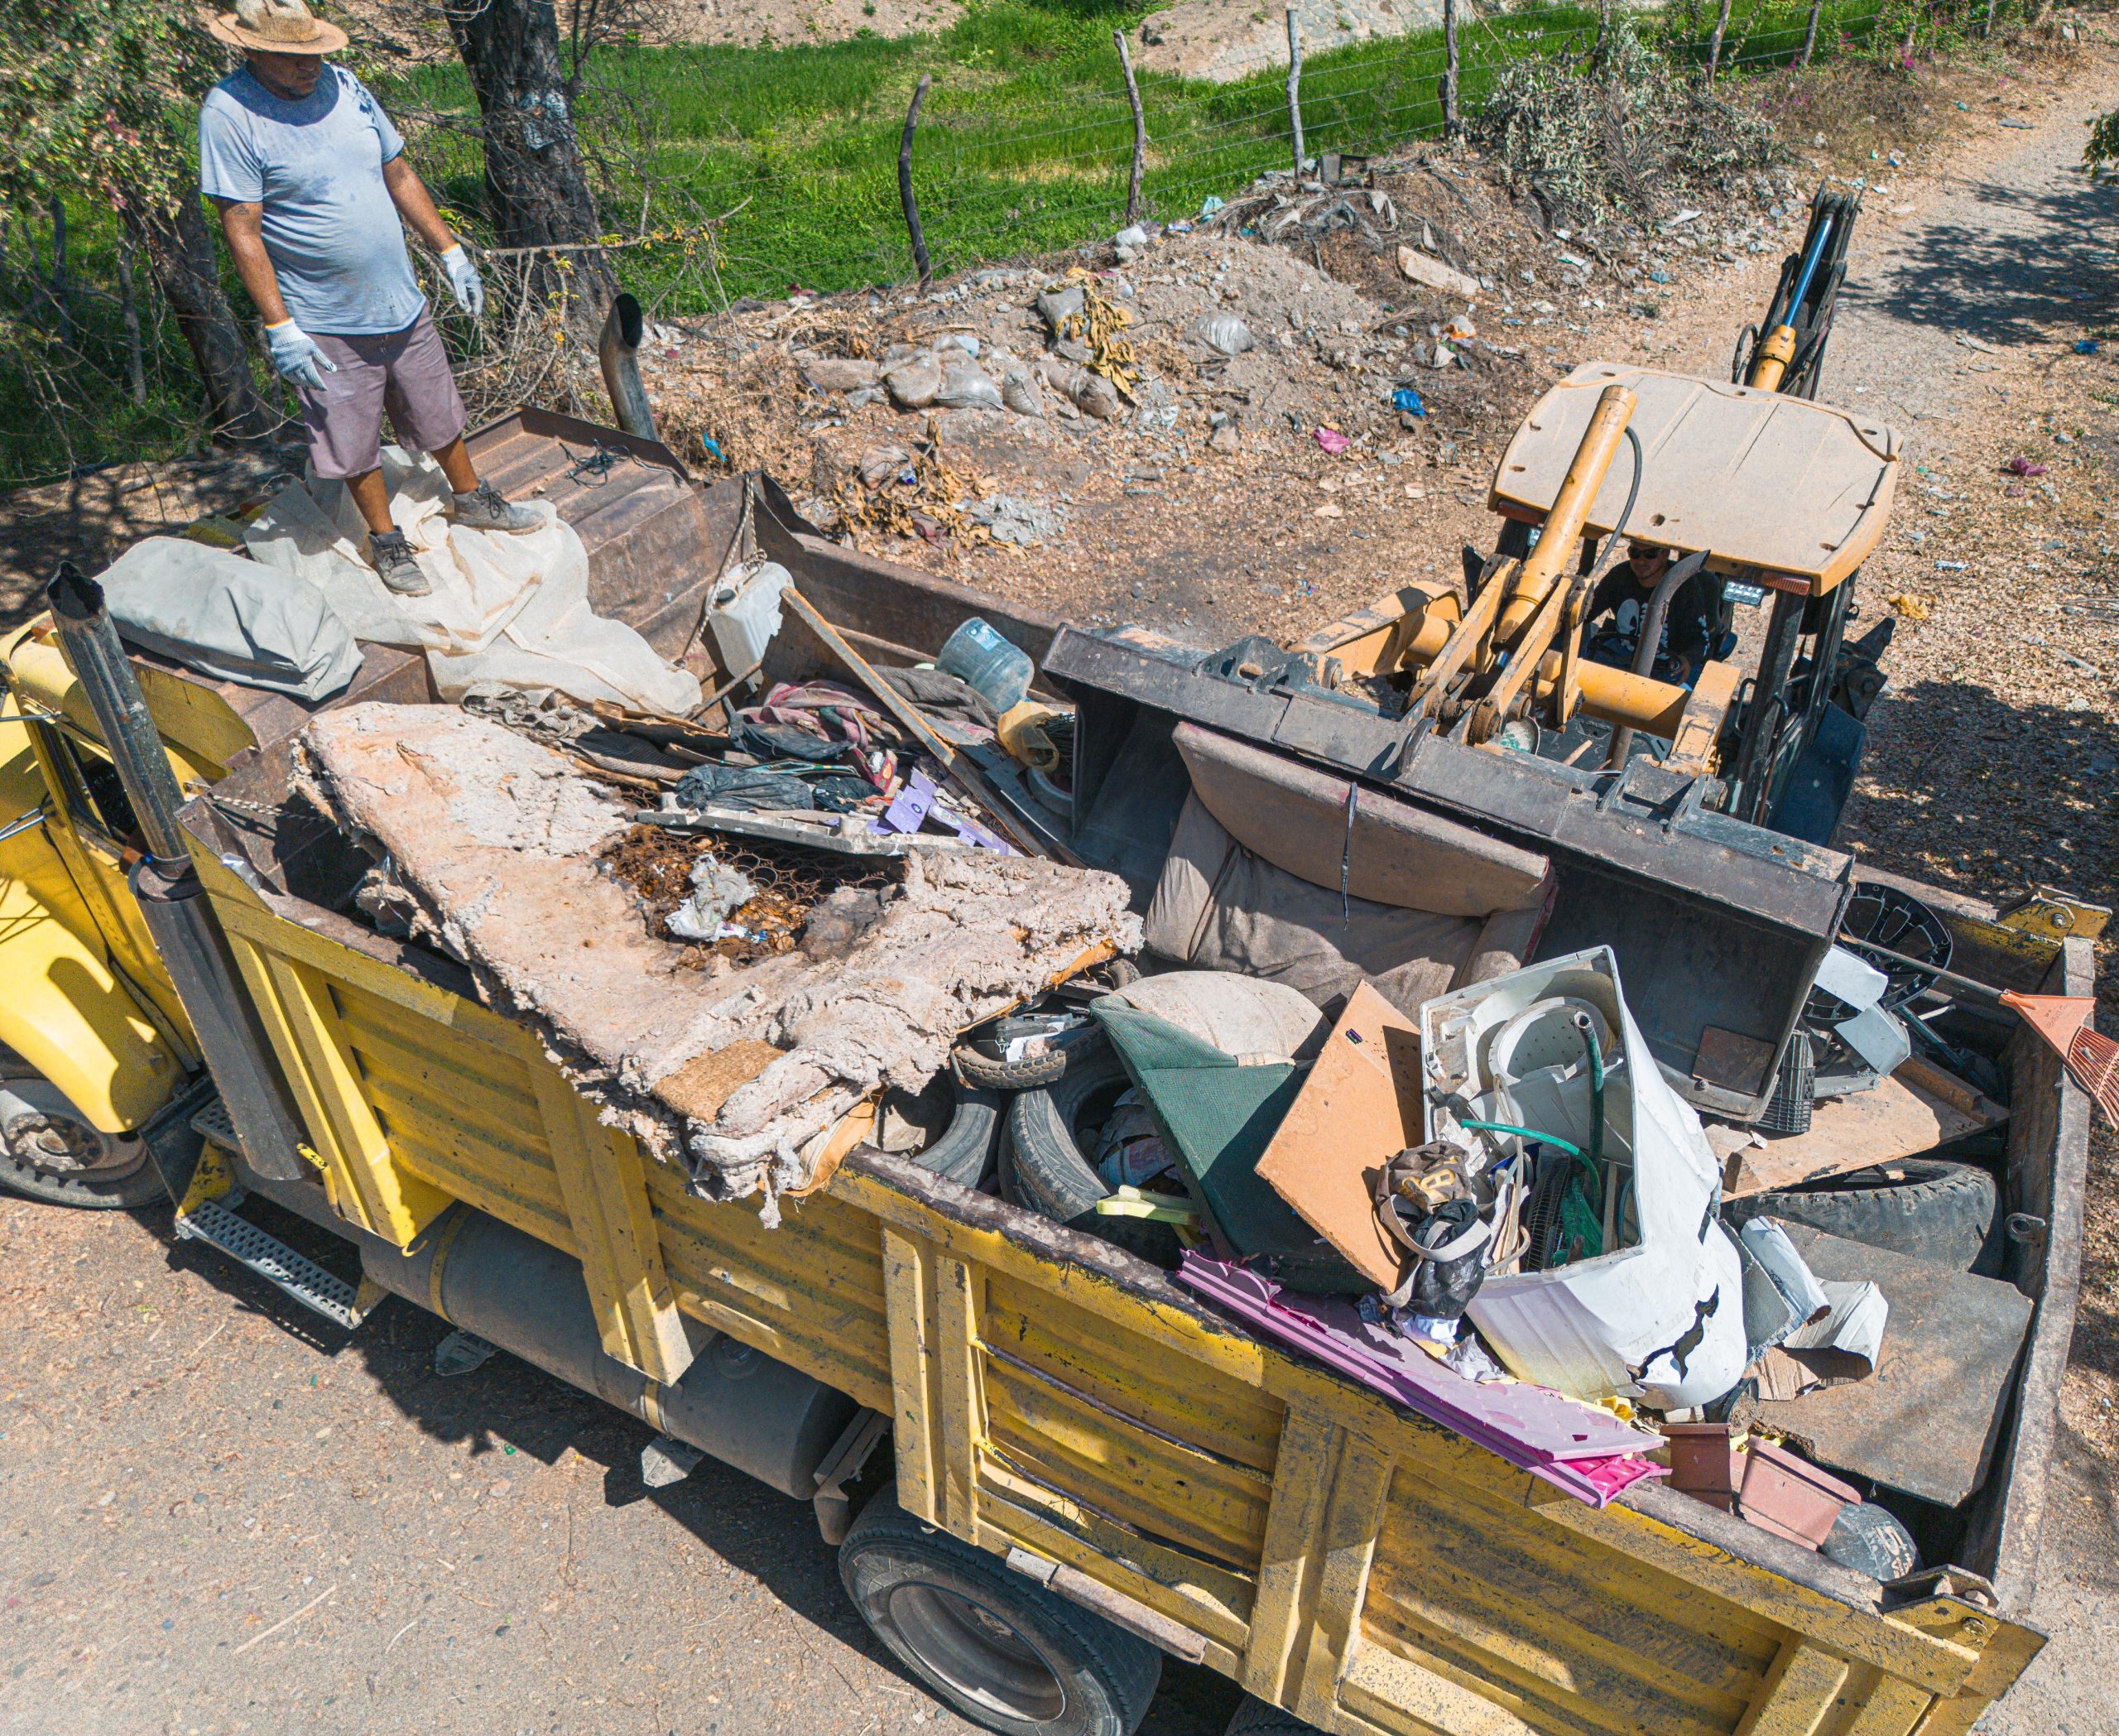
(485, 508)
(391, 557)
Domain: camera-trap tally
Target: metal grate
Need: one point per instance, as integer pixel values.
(273, 1261)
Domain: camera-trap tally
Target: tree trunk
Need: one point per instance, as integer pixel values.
(181, 253)
(534, 181)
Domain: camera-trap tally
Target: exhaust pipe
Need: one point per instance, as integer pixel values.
(743, 1406)
(619, 352)
(167, 887)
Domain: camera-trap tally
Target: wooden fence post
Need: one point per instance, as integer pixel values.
(1714, 42)
(1452, 72)
(1139, 129)
(905, 183)
(128, 309)
(1810, 34)
(1295, 86)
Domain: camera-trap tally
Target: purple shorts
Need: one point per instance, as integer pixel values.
(406, 372)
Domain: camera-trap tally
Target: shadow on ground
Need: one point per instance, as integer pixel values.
(508, 1403)
(1982, 279)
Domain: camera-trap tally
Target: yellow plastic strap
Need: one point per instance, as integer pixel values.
(1130, 1202)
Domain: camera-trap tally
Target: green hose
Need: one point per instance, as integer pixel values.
(1502, 1126)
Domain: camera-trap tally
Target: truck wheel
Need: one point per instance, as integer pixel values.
(48, 1151)
(1923, 1207)
(1004, 1651)
(1256, 1717)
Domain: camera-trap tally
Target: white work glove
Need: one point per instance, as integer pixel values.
(294, 353)
(464, 281)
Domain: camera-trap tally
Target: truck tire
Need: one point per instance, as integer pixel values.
(48, 1151)
(964, 1151)
(1870, 1539)
(1043, 1167)
(1000, 1648)
(1257, 1717)
(1923, 1207)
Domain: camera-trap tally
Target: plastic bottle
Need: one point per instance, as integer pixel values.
(981, 658)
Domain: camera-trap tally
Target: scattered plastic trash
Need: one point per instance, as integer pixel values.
(1209, 205)
(1227, 333)
(1332, 440)
(1131, 236)
(2022, 466)
(718, 893)
(2086, 346)
(966, 385)
(1905, 603)
(1407, 401)
(989, 662)
(741, 787)
(713, 449)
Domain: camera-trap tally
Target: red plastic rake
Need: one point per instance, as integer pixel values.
(2061, 1021)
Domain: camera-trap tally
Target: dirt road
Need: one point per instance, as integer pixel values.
(220, 1518)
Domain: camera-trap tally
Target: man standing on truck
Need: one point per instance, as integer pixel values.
(313, 192)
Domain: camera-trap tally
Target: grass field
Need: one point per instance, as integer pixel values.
(1024, 146)
(1025, 136)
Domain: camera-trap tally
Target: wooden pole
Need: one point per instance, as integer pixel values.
(1295, 87)
(1714, 43)
(129, 311)
(61, 291)
(1139, 129)
(1453, 122)
(1810, 34)
(905, 183)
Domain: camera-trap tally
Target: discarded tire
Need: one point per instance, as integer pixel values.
(1044, 1167)
(1923, 1207)
(1870, 1539)
(999, 1647)
(964, 1151)
(1034, 1071)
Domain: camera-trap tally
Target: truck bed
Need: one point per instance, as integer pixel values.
(1361, 1567)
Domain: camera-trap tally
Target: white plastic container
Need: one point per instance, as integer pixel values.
(744, 614)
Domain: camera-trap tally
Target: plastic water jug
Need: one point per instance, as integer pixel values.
(744, 614)
(981, 658)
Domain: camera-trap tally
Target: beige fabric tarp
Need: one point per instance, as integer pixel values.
(499, 840)
(512, 609)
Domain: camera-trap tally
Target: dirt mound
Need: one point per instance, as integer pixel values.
(1309, 426)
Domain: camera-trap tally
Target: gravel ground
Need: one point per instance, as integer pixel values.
(223, 1518)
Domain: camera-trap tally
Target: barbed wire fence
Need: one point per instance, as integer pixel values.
(92, 371)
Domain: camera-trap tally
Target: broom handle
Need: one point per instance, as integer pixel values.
(1948, 978)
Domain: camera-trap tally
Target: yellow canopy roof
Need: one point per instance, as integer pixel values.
(1779, 483)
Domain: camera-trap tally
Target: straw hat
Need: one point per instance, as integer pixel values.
(277, 27)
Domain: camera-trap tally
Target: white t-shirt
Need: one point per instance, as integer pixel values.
(316, 166)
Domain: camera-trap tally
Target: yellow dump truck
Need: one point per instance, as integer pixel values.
(1049, 1464)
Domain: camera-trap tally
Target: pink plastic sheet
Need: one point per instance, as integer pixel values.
(1586, 1452)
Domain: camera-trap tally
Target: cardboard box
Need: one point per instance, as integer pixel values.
(1359, 1107)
